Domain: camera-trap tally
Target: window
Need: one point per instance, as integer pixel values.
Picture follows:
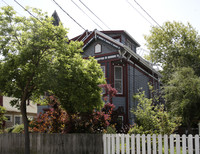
(118, 79)
(18, 120)
(9, 118)
(97, 48)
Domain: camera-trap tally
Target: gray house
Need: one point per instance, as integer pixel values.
(124, 69)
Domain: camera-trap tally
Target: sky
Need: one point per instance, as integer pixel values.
(116, 14)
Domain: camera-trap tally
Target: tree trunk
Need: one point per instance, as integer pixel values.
(25, 121)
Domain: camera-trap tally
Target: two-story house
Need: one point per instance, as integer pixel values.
(124, 69)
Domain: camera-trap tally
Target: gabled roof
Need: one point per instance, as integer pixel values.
(31, 108)
(121, 32)
(124, 50)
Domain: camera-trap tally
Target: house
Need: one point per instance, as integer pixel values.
(124, 69)
(13, 115)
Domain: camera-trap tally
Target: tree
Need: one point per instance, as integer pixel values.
(174, 45)
(182, 95)
(37, 58)
(76, 83)
(2, 117)
(151, 118)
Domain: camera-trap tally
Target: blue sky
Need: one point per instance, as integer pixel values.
(118, 14)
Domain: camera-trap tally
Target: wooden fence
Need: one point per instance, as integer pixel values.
(155, 144)
(100, 143)
(52, 143)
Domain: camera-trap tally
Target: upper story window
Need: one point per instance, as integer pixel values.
(97, 48)
(118, 79)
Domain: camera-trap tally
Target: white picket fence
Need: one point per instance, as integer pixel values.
(150, 144)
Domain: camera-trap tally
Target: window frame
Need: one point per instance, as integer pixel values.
(11, 119)
(95, 50)
(121, 93)
(20, 119)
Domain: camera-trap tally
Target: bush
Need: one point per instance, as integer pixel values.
(15, 129)
(18, 128)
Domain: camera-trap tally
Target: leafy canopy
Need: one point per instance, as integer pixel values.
(174, 45)
(37, 57)
(183, 95)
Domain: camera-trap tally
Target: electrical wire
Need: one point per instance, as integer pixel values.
(94, 14)
(68, 15)
(27, 11)
(87, 15)
(147, 13)
(139, 12)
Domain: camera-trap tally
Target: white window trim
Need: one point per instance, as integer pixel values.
(119, 79)
(20, 118)
(95, 51)
(10, 117)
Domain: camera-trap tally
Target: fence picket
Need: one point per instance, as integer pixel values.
(113, 144)
(190, 145)
(148, 144)
(177, 143)
(108, 139)
(184, 144)
(143, 144)
(171, 144)
(117, 144)
(196, 144)
(132, 144)
(154, 144)
(127, 144)
(122, 144)
(138, 143)
(166, 144)
(160, 144)
(104, 144)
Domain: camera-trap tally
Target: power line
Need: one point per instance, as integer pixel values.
(147, 13)
(94, 14)
(68, 15)
(27, 11)
(139, 12)
(87, 15)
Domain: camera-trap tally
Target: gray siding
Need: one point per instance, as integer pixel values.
(136, 80)
(119, 101)
(106, 48)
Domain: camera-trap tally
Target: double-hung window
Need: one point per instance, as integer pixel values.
(118, 79)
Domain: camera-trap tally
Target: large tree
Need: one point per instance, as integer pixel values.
(35, 54)
(183, 96)
(174, 45)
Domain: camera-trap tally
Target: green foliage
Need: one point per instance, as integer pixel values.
(174, 45)
(151, 119)
(18, 129)
(37, 58)
(15, 129)
(76, 83)
(2, 116)
(183, 95)
(111, 130)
